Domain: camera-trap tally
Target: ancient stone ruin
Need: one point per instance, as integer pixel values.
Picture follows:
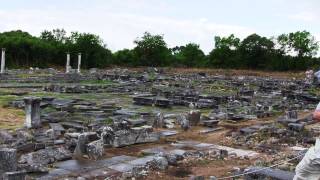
(152, 123)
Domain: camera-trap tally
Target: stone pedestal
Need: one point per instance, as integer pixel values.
(81, 148)
(8, 160)
(32, 110)
(79, 62)
(194, 117)
(68, 63)
(3, 61)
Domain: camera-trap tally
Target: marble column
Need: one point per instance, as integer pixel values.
(68, 63)
(8, 160)
(3, 60)
(32, 110)
(79, 62)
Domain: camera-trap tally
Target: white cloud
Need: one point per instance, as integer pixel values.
(119, 28)
(305, 16)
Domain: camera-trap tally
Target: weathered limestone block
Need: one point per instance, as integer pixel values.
(296, 126)
(159, 163)
(16, 175)
(8, 160)
(134, 136)
(159, 120)
(45, 156)
(95, 149)
(107, 135)
(57, 129)
(194, 117)
(262, 173)
(32, 109)
(184, 123)
(292, 114)
(81, 148)
(5, 136)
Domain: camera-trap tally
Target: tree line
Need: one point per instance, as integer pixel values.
(292, 51)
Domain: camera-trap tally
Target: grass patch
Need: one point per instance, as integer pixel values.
(315, 91)
(5, 99)
(102, 82)
(11, 118)
(108, 121)
(32, 75)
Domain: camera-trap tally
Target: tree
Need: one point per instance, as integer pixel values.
(225, 54)
(123, 57)
(231, 42)
(301, 42)
(94, 51)
(189, 55)
(151, 50)
(24, 49)
(256, 51)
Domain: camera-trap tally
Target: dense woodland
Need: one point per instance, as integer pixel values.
(292, 51)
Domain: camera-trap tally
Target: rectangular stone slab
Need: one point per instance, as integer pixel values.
(141, 161)
(155, 150)
(269, 173)
(122, 167)
(76, 165)
(168, 133)
(209, 130)
(56, 127)
(179, 152)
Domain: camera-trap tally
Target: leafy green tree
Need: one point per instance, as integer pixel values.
(256, 51)
(301, 42)
(151, 50)
(225, 54)
(123, 57)
(231, 42)
(25, 50)
(94, 51)
(189, 55)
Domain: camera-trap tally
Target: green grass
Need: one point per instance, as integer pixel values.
(219, 88)
(5, 99)
(315, 91)
(108, 121)
(102, 82)
(32, 75)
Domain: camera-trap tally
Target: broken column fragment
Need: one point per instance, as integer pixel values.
(3, 60)
(8, 160)
(79, 62)
(159, 120)
(292, 114)
(184, 123)
(32, 110)
(81, 147)
(194, 117)
(68, 63)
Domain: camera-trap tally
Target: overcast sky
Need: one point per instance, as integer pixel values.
(119, 22)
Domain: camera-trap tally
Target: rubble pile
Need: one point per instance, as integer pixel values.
(74, 122)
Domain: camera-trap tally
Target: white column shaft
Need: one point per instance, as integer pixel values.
(68, 63)
(79, 62)
(3, 61)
